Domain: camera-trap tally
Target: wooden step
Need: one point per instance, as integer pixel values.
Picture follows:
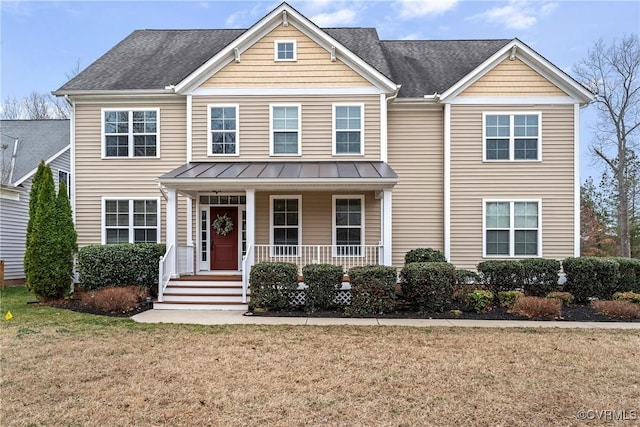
(209, 278)
(194, 305)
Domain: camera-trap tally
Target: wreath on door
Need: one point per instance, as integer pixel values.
(223, 225)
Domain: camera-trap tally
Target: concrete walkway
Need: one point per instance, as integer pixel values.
(217, 317)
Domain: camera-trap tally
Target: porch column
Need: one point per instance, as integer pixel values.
(386, 227)
(251, 225)
(172, 230)
(190, 247)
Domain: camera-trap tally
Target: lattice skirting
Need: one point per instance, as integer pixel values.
(342, 298)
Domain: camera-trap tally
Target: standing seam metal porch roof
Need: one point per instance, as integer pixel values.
(310, 170)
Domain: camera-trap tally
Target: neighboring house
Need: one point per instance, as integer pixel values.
(323, 145)
(23, 144)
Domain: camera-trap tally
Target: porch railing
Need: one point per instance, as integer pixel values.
(165, 267)
(245, 272)
(347, 256)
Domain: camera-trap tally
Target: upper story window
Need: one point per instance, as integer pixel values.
(223, 130)
(285, 50)
(512, 136)
(348, 129)
(130, 133)
(512, 228)
(285, 130)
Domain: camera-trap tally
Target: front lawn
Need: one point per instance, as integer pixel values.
(66, 368)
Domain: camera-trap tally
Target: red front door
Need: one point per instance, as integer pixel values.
(224, 249)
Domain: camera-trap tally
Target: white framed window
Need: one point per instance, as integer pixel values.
(286, 225)
(512, 136)
(130, 220)
(223, 130)
(285, 50)
(348, 129)
(63, 176)
(130, 133)
(348, 225)
(512, 228)
(285, 129)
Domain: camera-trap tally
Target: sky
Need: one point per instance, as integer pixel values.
(42, 42)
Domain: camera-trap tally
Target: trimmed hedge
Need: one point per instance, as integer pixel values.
(322, 280)
(424, 255)
(629, 269)
(272, 284)
(467, 277)
(540, 276)
(591, 277)
(372, 289)
(428, 286)
(124, 264)
(502, 275)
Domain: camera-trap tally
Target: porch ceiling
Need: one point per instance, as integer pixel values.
(238, 176)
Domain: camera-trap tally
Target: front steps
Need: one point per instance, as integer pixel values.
(211, 292)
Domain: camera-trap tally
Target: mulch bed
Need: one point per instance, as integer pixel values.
(77, 306)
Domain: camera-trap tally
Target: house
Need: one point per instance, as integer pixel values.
(23, 144)
(291, 142)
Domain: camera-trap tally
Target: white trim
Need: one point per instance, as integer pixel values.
(275, 50)
(447, 182)
(271, 130)
(189, 128)
(46, 162)
(512, 228)
(130, 134)
(383, 128)
(106, 99)
(364, 90)
(259, 182)
(72, 160)
(576, 179)
(250, 208)
(512, 136)
(189, 221)
(10, 193)
(210, 152)
(67, 183)
(334, 129)
(511, 100)
(129, 199)
(387, 226)
(297, 197)
(335, 197)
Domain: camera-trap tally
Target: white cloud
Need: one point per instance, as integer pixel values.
(420, 8)
(334, 19)
(517, 14)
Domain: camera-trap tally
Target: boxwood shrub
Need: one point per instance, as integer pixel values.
(272, 284)
(591, 277)
(322, 280)
(372, 289)
(629, 269)
(502, 275)
(428, 286)
(540, 276)
(123, 264)
(424, 255)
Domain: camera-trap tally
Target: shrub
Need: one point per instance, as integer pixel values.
(508, 298)
(631, 297)
(623, 309)
(565, 297)
(540, 276)
(591, 277)
(120, 265)
(479, 300)
(424, 255)
(428, 286)
(501, 275)
(113, 299)
(629, 279)
(322, 280)
(272, 285)
(467, 277)
(372, 289)
(536, 307)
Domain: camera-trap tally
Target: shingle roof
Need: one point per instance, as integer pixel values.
(37, 140)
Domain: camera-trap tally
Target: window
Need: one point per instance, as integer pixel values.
(512, 228)
(130, 133)
(512, 136)
(348, 225)
(285, 224)
(285, 130)
(63, 176)
(223, 130)
(348, 129)
(131, 221)
(285, 50)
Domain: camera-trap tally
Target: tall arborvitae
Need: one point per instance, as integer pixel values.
(66, 234)
(33, 202)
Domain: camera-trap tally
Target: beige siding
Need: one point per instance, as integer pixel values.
(550, 180)
(512, 78)
(130, 177)
(317, 113)
(257, 67)
(416, 154)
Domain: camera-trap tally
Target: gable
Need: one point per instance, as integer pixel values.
(312, 68)
(512, 78)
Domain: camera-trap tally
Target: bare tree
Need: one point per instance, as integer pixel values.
(12, 109)
(37, 106)
(614, 71)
